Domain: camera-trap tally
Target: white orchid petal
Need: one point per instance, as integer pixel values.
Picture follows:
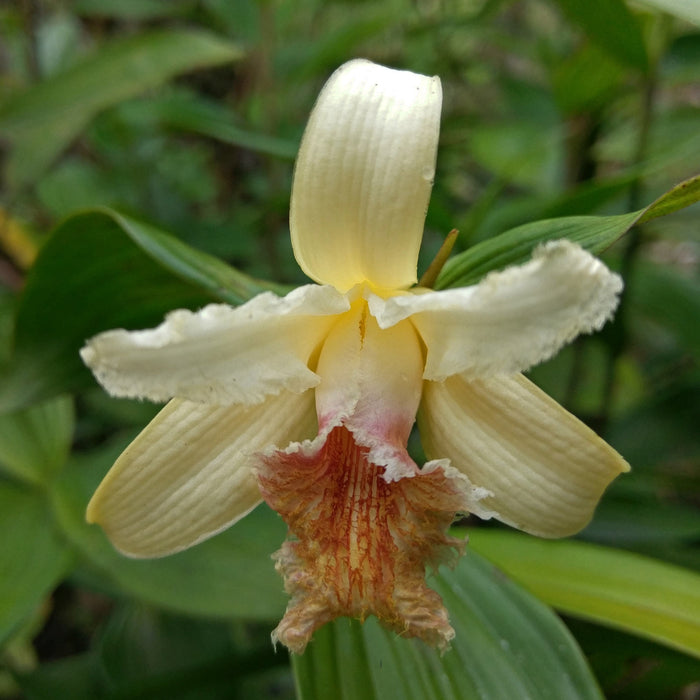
(363, 176)
(220, 354)
(512, 319)
(187, 476)
(545, 470)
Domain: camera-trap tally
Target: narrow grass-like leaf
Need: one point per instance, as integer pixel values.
(631, 592)
(594, 233)
(196, 115)
(682, 195)
(508, 645)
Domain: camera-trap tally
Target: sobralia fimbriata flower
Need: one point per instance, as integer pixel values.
(307, 401)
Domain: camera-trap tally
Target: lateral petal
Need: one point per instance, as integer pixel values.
(188, 475)
(220, 354)
(512, 319)
(545, 469)
(363, 176)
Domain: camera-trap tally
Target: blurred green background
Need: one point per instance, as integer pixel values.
(185, 116)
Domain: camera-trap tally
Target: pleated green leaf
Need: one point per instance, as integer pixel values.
(101, 270)
(594, 233)
(33, 558)
(42, 120)
(624, 590)
(508, 645)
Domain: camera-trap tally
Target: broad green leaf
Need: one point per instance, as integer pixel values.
(35, 442)
(211, 274)
(634, 593)
(41, 121)
(230, 575)
(688, 10)
(33, 559)
(610, 25)
(102, 270)
(508, 645)
(594, 233)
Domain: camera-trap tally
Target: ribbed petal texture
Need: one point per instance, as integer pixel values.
(187, 476)
(545, 469)
(363, 177)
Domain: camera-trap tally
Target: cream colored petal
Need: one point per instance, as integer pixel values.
(220, 354)
(511, 320)
(363, 176)
(187, 476)
(545, 469)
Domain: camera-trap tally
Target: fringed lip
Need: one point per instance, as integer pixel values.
(358, 544)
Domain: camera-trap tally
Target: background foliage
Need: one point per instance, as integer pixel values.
(145, 140)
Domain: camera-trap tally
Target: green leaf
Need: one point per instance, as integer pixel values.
(688, 10)
(652, 599)
(35, 442)
(32, 558)
(682, 195)
(193, 114)
(610, 25)
(102, 270)
(594, 233)
(507, 645)
(44, 119)
(230, 575)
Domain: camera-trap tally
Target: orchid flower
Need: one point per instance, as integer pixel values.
(307, 401)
